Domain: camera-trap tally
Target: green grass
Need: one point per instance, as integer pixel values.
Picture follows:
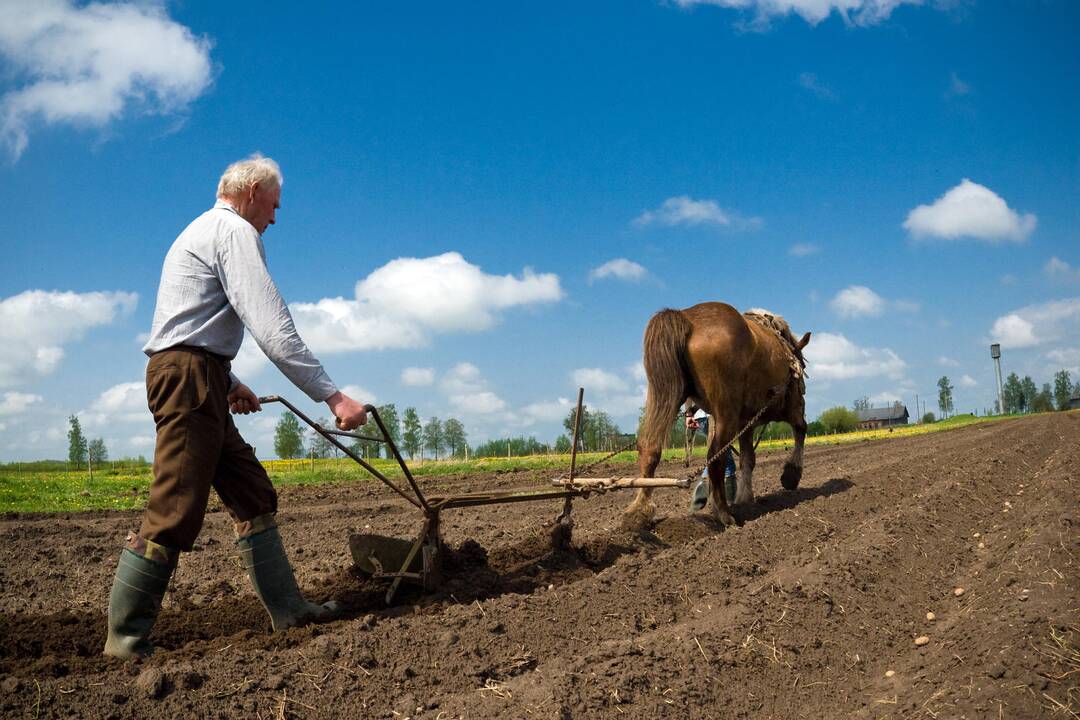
(49, 487)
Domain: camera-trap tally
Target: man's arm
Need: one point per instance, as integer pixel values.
(255, 298)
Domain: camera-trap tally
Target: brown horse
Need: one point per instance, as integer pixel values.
(731, 366)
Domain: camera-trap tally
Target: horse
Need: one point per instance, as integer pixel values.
(732, 365)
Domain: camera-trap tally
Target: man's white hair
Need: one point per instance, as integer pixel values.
(242, 174)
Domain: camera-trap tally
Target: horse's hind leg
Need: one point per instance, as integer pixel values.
(721, 510)
(642, 510)
(744, 492)
(793, 467)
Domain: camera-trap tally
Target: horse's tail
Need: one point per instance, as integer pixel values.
(666, 368)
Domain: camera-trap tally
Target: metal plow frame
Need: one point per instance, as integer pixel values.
(420, 560)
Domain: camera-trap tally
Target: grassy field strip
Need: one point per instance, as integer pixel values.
(27, 488)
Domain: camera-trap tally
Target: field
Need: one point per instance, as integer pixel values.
(810, 609)
(122, 485)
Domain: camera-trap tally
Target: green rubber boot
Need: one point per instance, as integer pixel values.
(272, 577)
(699, 495)
(730, 485)
(134, 602)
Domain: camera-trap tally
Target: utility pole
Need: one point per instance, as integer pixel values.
(918, 420)
(995, 352)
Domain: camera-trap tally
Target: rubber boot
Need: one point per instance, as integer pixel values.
(272, 577)
(730, 485)
(699, 496)
(134, 602)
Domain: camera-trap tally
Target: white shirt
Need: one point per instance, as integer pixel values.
(214, 283)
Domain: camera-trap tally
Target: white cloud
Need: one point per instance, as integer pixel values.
(552, 411)
(466, 389)
(123, 403)
(803, 249)
(85, 65)
(417, 376)
(619, 393)
(853, 12)
(359, 394)
(1057, 269)
(407, 301)
(809, 81)
(947, 362)
(683, 210)
(595, 380)
(967, 381)
(885, 398)
(957, 87)
(1065, 359)
(857, 301)
(619, 268)
(35, 325)
(1014, 331)
(14, 403)
(834, 357)
(1038, 324)
(970, 210)
(249, 361)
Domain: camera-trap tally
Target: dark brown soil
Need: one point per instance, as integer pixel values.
(799, 613)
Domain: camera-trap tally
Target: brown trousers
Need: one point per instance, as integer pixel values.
(198, 446)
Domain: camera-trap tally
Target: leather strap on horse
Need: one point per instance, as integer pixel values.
(779, 327)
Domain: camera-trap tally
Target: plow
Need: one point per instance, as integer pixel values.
(419, 559)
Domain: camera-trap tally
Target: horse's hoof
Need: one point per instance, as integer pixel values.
(725, 518)
(637, 520)
(744, 500)
(791, 476)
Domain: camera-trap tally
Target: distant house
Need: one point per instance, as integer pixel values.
(873, 418)
(1074, 403)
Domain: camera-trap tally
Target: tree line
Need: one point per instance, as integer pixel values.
(441, 439)
(1022, 396)
(435, 438)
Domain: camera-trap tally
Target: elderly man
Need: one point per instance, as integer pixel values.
(214, 283)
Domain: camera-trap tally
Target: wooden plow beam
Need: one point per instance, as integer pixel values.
(619, 483)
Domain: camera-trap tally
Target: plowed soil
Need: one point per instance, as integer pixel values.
(810, 609)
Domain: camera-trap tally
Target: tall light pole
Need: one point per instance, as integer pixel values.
(995, 352)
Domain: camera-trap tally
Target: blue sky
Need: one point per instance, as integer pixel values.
(484, 204)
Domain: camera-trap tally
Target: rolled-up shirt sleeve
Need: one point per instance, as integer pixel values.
(255, 298)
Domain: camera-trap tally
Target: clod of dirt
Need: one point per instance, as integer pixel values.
(151, 682)
(325, 647)
(958, 591)
(10, 685)
(273, 682)
(931, 616)
(922, 640)
(367, 622)
(184, 676)
(469, 554)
